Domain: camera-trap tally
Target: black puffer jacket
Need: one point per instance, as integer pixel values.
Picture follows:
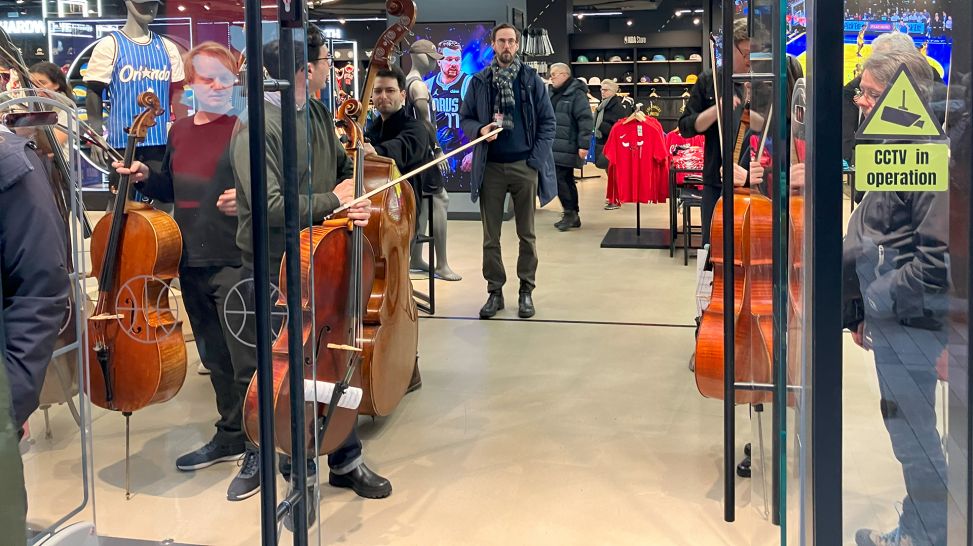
(574, 122)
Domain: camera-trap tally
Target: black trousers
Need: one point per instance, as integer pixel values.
(567, 188)
(711, 194)
(204, 292)
(347, 457)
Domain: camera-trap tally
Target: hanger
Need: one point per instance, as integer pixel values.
(638, 114)
(653, 94)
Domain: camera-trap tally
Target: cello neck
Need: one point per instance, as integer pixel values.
(109, 267)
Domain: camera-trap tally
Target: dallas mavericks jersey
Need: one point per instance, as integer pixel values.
(138, 68)
(446, 100)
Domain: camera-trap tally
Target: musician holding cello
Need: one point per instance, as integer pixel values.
(700, 118)
(331, 186)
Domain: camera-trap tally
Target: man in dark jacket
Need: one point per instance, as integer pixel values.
(400, 137)
(569, 97)
(518, 161)
(896, 280)
(700, 118)
(33, 263)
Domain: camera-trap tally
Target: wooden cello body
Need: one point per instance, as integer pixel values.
(326, 274)
(392, 317)
(137, 354)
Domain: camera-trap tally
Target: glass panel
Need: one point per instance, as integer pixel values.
(903, 307)
(905, 274)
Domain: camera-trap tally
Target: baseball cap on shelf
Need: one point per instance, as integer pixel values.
(615, 59)
(628, 77)
(659, 58)
(594, 81)
(583, 80)
(582, 59)
(679, 58)
(643, 58)
(675, 79)
(658, 79)
(426, 47)
(695, 57)
(644, 79)
(628, 57)
(692, 78)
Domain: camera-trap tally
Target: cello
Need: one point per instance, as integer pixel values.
(391, 334)
(337, 271)
(752, 236)
(136, 350)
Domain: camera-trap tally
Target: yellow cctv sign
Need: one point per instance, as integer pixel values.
(902, 167)
(901, 114)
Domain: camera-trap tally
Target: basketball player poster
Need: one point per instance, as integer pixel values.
(466, 50)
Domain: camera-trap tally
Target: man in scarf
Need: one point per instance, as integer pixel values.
(518, 161)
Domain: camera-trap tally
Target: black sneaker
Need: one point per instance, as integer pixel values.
(247, 481)
(208, 455)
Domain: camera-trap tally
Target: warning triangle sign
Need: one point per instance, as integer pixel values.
(901, 114)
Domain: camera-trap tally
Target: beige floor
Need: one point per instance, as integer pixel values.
(540, 433)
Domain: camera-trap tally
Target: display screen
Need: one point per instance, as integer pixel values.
(928, 22)
(467, 50)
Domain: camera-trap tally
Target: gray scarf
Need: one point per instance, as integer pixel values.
(600, 116)
(504, 78)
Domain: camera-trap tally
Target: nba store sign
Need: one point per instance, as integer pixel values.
(23, 27)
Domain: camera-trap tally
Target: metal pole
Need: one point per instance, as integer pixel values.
(780, 162)
(729, 328)
(823, 312)
(261, 271)
(295, 323)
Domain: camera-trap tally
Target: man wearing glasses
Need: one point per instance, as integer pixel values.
(700, 116)
(331, 185)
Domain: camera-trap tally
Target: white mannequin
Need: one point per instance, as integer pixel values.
(423, 63)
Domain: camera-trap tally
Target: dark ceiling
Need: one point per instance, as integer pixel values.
(333, 8)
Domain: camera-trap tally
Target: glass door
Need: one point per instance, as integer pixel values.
(878, 303)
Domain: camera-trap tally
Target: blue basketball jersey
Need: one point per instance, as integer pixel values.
(138, 68)
(446, 100)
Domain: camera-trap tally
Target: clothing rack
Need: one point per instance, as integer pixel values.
(651, 238)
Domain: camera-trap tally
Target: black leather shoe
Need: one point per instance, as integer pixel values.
(526, 309)
(493, 304)
(362, 481)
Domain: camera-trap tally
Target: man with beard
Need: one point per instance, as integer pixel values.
(448, 88)
(518, 161)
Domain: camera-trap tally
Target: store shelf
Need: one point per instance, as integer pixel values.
(667, 62)
(664, 83)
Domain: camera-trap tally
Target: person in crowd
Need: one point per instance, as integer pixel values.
(700, 118)
(49, 77)
(33, 269)
(895, 284)
(404, 139)
(519, 161)
(197, 176)
(851, 114)
(572, 138)
(331, 186)
(612, 108)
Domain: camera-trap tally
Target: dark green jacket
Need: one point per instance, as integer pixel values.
(329, 166)
(13, 509)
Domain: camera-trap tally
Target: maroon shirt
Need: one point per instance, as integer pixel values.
(195, 172)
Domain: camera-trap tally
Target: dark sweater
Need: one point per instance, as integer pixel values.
(328, 163)
(195, 172)
(510, 146)
(409, 143)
